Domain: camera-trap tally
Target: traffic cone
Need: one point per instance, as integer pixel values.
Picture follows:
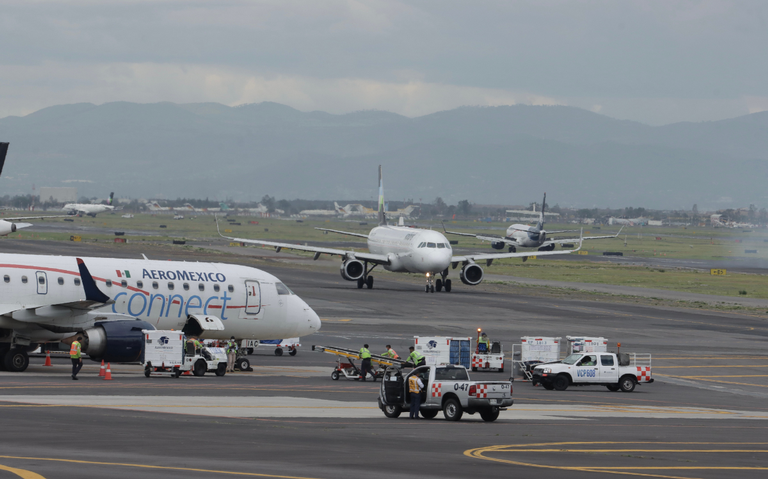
(108, 376)
(47, 359)
(101, 370)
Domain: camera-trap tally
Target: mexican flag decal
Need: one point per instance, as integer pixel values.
(123, 274)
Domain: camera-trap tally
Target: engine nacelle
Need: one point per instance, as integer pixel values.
(352, 269)
(6, 227)
(115, 341)
(471, 274)
(498, 244)
(549, 247)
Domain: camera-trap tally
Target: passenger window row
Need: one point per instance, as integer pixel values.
(140, 284)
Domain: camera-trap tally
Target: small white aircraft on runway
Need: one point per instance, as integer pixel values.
(527, 236)
(90, 209)
(106, 302)
(404, 250)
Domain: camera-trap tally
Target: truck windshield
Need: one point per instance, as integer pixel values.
(451, 374)
(572, 359)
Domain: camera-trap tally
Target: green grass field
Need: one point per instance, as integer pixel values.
(681, 243)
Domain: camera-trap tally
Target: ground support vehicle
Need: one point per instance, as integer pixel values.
(492, 360)
(614, 371)
(446, 388)
(345, 362)
(442, 350)
(532, 351)
(248, 346)
(585, 344)
(168, 352)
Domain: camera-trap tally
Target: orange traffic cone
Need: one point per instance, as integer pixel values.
(48, 359)
(108, 376)
(101, 370)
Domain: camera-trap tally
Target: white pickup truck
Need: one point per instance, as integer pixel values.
(622, 371)
(446, 388)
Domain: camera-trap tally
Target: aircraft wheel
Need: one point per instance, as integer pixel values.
(432, 289)
(439, 285)
(16, 360)
(369, 282)
(447, 285)
(512, 249)
(360, 283)
(426, 289)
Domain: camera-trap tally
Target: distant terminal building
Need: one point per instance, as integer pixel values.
(65, 194)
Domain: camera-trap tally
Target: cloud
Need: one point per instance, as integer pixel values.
(53, 83)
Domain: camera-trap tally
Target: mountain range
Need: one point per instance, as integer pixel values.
(492, 155)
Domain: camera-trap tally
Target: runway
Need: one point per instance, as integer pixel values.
(704, 417)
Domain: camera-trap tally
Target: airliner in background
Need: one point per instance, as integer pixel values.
(404, 250)
(89, 209)
(527, 236)
(106, 302)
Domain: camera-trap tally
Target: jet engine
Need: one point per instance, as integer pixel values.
(115, 341)
(6, 227)
(471, 274)
(352, 269)
(498, 244)
(549, 247)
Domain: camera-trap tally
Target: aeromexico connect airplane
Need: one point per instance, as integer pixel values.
(106, 302)
(404, 250)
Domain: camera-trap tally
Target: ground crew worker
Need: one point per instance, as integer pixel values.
(390, 353)
(76, 357)
(366, 367)
(416, 358)
(484, 341)
(415, 385)
(231, 354)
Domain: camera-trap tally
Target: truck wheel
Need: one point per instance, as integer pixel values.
(627, 384)
(612, 387)
(335, 375)
(428, 413)
(474, 369)
(222, 369)
(293, 352)
(147, 371)
(278, 351)
(561, 382)
(490, 415)
(200, 368)
(452, 410)
(249, 351)
(176, 372)
(392, 411)
(243, 364)
(548, 386)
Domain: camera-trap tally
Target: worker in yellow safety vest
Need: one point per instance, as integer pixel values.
(76, 356)
(416, 358)
(415, 385)
(390, 353)
(231, 354)
(483, 344)
(365, 368)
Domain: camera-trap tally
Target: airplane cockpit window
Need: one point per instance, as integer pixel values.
(77, 281)
(201, 287)
(441, 245)
(185, 286)
(7, 278)
(282, 289)
(140, 284)
(61, 281)
(109, 283)
(216, 288)
(422, 244)
(431, 245)
(155, 285)
(170, 286)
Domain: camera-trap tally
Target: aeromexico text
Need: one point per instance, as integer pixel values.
(183, 275)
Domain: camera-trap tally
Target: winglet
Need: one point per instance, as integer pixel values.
(382, 215)
(92, 292)
(617, 234)
(3, 152)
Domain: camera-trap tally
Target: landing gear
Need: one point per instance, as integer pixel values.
(438, 285)
(430, 286)
(512, 249)
(447, 285)
(360, 283)
(366, 279)
(442, 283)
(369, 282)
(16, 360)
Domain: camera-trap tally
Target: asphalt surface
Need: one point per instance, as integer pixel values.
(705, 416)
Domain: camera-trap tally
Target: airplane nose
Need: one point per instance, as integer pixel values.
(314, 321)
(309, 322)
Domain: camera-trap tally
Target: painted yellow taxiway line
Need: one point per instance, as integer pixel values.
(21, 472)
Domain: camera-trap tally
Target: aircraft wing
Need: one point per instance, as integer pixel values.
(574, 240)
(32, 218)
(489, 257)
(370, 257)
(359, 235)
(484, 237)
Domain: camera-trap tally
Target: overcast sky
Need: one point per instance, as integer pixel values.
(656, 62)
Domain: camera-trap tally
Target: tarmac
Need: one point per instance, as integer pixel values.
(705, 416)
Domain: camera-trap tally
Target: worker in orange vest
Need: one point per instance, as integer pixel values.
(76, 356)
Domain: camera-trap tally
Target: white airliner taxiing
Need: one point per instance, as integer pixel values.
(404, 250)
(89, 209)
(527, 236)
(106, 302)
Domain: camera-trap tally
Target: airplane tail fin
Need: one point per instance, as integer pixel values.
(382, 214)
(541, 212)
(111, 198)
(3, 152)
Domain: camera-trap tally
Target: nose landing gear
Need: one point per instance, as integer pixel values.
(438, 285)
